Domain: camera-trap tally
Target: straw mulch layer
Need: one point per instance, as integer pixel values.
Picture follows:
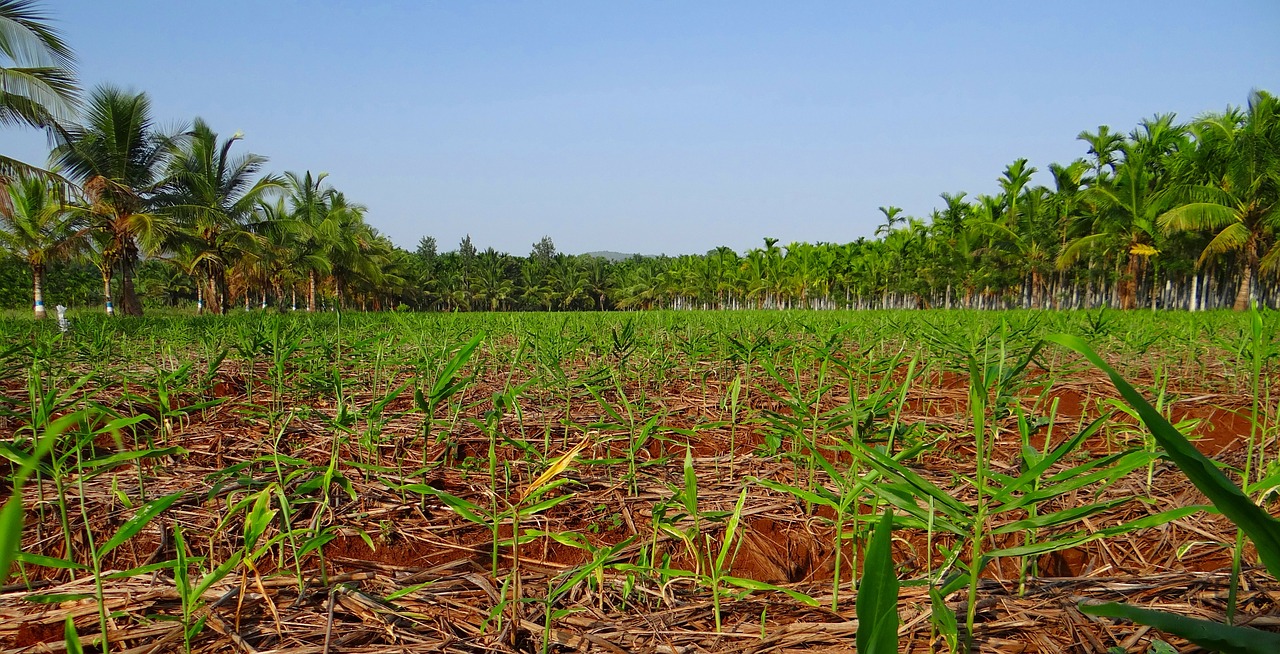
(402, 572)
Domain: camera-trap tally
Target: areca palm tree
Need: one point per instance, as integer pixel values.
(36, 226)
(1124, 222)
(1012, 181)
(1239, 200)
(1065, 204)
(37, 74)
(1104, 146)
(986, 227)
(119, 157)
(212, 194)
(892, 216)
(755, 276)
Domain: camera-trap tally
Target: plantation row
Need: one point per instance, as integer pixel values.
(530, 482)
(1172, 214)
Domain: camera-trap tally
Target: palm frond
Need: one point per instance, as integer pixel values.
(1197, 216)
(1231, 239)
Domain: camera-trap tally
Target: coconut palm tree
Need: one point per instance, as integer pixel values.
(118, 157)
(491, 283)
(1239, 200)
(281, 249)
(308, 198)
(600, 279)
(347, 241)
(569, 281)
(37, 74)
(212, 196)
(36, 227)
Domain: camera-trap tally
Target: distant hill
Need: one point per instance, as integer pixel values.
(613, 256)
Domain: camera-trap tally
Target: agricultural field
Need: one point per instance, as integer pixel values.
(670, 482)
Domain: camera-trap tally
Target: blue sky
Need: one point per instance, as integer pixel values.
(664, 127)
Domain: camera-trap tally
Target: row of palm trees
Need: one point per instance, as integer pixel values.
(1174, 215)
(120, 191)
(1169, 214)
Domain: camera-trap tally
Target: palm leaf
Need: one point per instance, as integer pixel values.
(1231, 239)
(1197, 216)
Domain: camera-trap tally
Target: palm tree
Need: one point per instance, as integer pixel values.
(1239, 200)
(599, 279)
(1065, 203)
(1015, 177)
(532, 277)
(36, 226)
(1124, 221)
(308, 199)
(37, 74)
(569, 281)
(388, 276)
(1104, 145)
(754, 273)
(212, 195)
(722, 264)
(118, 158)
(891, 218)
(347, 242)
(948, 229)
(491, 283)
(282, 251)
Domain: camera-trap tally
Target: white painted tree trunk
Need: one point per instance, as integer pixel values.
(38, 290)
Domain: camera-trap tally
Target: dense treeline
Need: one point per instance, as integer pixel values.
(1170, 214)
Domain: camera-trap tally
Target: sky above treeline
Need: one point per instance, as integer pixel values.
(666, 126)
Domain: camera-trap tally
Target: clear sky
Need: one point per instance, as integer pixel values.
(664, 126)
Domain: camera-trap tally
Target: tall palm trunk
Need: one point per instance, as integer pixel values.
(1192, 303)
(221, 290)
(1129, 284)
(1155, 287)
(129, 303)
(37, 274)
(106, 288)
(1242, 295)
(214, 292)
(311, 291)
